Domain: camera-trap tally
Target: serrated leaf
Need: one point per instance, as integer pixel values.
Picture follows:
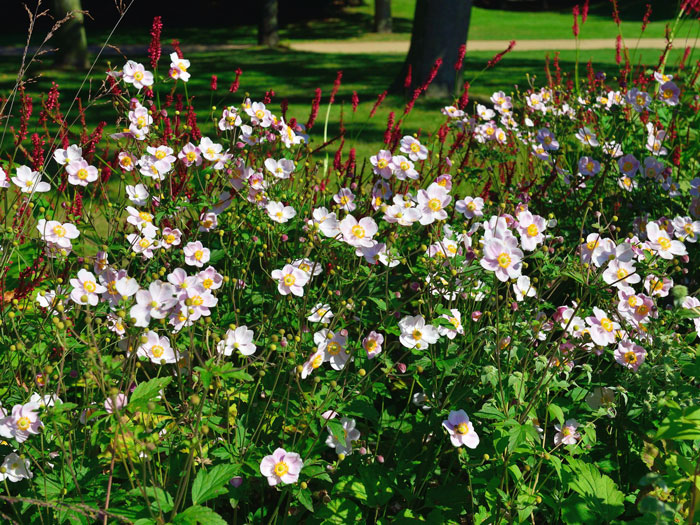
(339, 511)
(198, 515)
(304, 497)
(211, 483)
(150, 389)
(597, 490)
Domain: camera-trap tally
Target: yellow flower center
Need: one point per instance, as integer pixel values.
(144, 243)
(198, 255)
(260, 113)
(289, 279)
(435, 204)
(471, 206)
(504, 260)
(82, 174)
(404, 166)
(592, 245)
(317, 361)
(191, 156)
(334, 348)
(157, 350)
(622, 273)
(417, 335)
(630, 357)
(533, 231)
(358, 231)
(281, 469)
(371, 345)
(138, 75)
(160, 154)
(415, 147)
(208, 283)
(382, 163)
(607, 324)
(642, 309)
(145, 216)
(462, 428)
(664, 243)
(89, 286)
(197, 300)
(23, 423)
(170, 238)
(59, 231)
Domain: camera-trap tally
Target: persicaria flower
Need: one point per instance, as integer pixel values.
(281, 467)
(460, 429)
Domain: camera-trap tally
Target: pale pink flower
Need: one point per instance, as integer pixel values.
(281, 467)
(460, 429)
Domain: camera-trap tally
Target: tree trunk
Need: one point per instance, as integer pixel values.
(268, 30)
(382, 16)
(440, 27)
(70, 38)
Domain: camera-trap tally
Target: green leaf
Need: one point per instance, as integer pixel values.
(339, 511)
(336, 427)
(198, 515)
(381, 303)
(148, 390)
(160, 500)
(680, 425)
(211, 483)
(598, 491)
(304, 497)
(556, 413)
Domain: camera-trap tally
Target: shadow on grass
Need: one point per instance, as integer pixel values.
(295, 75)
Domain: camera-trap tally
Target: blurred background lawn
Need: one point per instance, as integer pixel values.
(294, 74)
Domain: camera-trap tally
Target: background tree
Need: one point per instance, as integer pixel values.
(268, 28)
(440, 27)
(70, 38)
(382, 16)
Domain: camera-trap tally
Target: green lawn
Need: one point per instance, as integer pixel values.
(294, 75)
(356, 23)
